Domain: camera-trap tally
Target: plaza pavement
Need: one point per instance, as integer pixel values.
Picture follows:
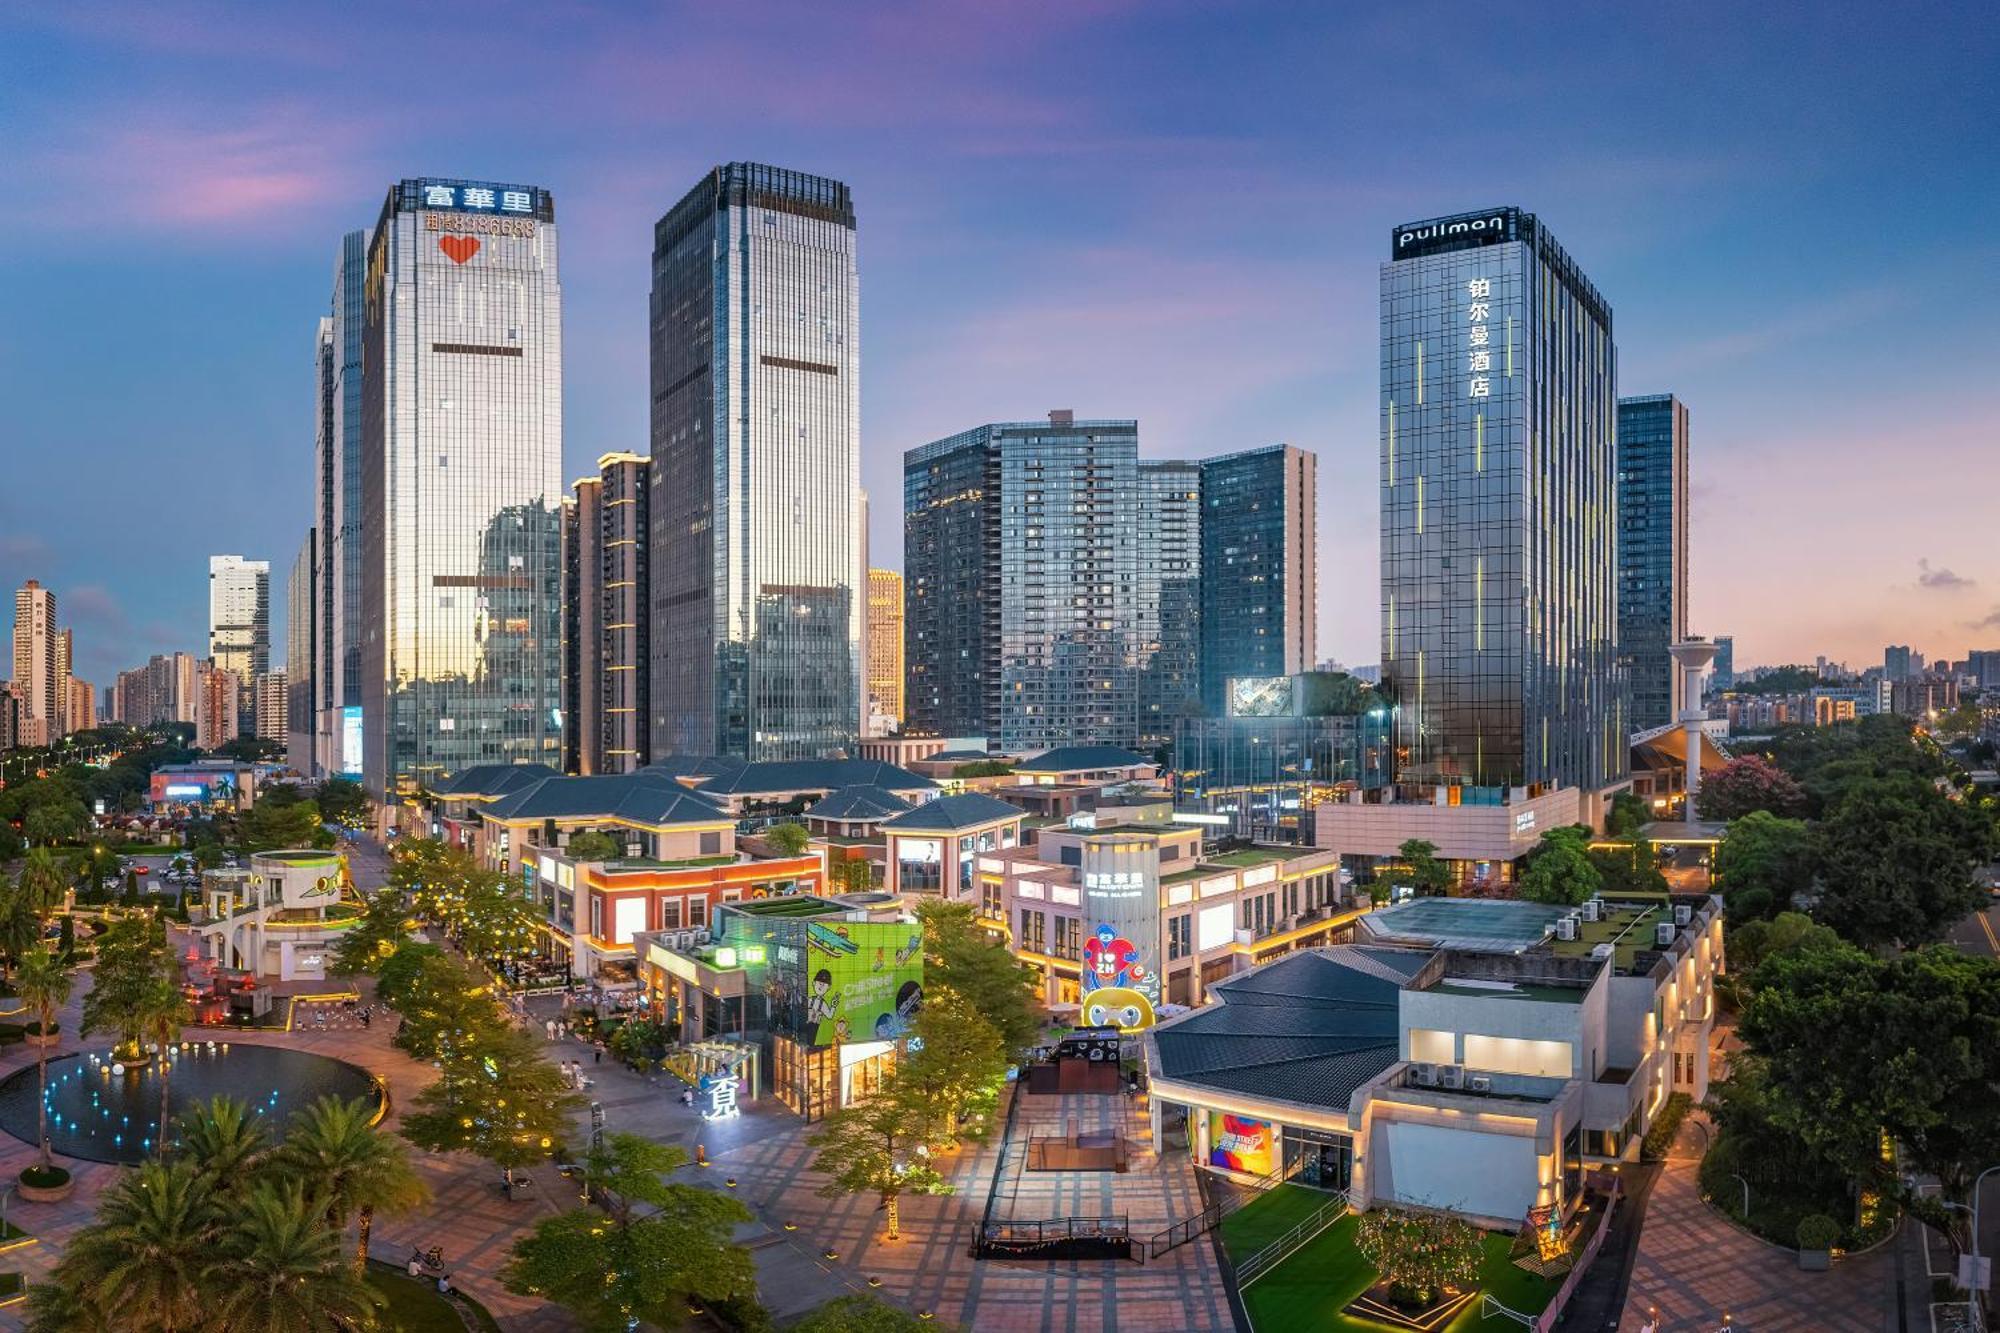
(766, 1153)
(1694, 1266)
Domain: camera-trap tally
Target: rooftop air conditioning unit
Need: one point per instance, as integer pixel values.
(1602, 951)
(1592, 909)
(1566, 928)
(1451, 1076)
(1663, 934)
(702, 936)
(1480, 1083)
(1683, 914)
(1424, 1075)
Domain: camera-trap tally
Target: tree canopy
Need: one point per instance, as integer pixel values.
(1896, 860)
(960, 956)
(1764, 863)
(1750, 783)
(1560, 871)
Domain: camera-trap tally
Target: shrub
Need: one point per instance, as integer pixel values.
(1817, 1231)
(1665, 1125)
(34, 1029)
(44, 1177)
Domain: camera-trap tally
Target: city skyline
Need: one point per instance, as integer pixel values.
(1749, 243)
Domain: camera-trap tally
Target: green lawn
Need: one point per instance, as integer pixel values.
(1307, 1290)
(1256, 1224)
(413, 1306)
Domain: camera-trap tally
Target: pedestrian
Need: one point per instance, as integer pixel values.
(416, 1263)
(444, 1284)
(549, 1027)
(597, 1054)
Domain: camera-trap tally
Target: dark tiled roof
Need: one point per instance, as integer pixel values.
(859, 803)
(1309, 1028)
(790, 775)
(694, 765)
(491, 779)
(643, 798)
(954, 812)
(1081, 758)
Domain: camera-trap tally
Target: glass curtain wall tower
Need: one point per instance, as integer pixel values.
(758, 586)
(1499, 510)
(461, 589)
(1259, 567)
(1652, 551)
(337, 516)
(1020, 556)
(1168, 624)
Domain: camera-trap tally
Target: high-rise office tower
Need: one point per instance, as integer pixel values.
(301, 658)
(36, 665)
(1499, 506)
(337, 517)
(1167, 619)
(885, 651)
(1259, 567)
(1722, 674)
(461, 486)
(606, 619)
(239, 615)
(757, 565)
(1652, 551)
(1899, 662)
(1020, 555)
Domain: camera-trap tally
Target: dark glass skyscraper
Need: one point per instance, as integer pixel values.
(1652, 551)
(1499, 506)
(1259, 567)
(1168, 622)
(336, 650)
(607, 619)
(1020, 556)
(757, 556)
(461, 487)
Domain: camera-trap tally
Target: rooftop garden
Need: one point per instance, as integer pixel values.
(684, 863)
(1253, 856)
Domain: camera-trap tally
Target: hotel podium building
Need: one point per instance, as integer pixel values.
(461, 488)
(1499, 511)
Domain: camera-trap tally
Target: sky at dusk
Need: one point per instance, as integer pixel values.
(1169, 211)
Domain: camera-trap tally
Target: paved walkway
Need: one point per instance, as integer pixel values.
(1694, 1267)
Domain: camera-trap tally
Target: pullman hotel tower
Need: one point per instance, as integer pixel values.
(461, 483)
(1499, 514)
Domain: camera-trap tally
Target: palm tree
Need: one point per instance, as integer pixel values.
(334, 1149)
(44, 983)
(224, 1142)
(54, 1308)
(149, 1252)
(20, 928)
(280, 1270)
(161, 1011)
(42, 882)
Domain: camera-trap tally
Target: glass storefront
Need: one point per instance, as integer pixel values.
(1320, 1159)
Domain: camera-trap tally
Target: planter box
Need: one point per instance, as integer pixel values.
(49, 1042)
(1815, 1261)
(45, 1193)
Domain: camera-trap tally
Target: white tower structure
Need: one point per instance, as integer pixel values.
(1692, 656)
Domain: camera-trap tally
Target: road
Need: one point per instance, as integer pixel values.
(1979, 934)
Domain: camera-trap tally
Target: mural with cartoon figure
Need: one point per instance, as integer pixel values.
(864, 980)
(1121, 890)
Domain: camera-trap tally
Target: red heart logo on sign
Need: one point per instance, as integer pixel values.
(458, 249)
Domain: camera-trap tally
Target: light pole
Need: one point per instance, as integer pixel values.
(1746, 1196)
(1977, 1181)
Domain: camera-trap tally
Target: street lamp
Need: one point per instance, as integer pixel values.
(1746, 1195)
(1977, 1180)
